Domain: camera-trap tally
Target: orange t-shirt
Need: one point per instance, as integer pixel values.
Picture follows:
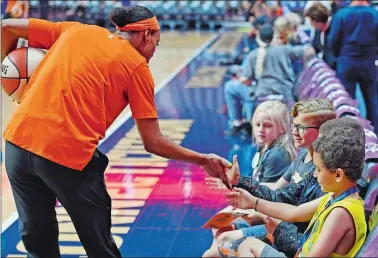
(86, 79)
(279, 11)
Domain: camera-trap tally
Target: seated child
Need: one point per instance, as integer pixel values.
(339, 158)
(296, 187)
(271, 133)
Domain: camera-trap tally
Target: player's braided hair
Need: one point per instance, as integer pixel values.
(120, 16)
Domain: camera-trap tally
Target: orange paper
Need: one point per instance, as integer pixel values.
(224, 219)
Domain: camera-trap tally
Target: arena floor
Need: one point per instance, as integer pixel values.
(159, 206)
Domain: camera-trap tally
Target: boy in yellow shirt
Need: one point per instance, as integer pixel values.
(339, 155)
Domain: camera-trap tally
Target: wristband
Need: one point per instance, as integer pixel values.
(257, 202)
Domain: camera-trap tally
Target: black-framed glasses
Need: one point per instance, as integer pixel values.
(302, 128)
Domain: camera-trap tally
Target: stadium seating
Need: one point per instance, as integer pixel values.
(173, 15)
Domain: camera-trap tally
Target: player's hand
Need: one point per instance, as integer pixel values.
(240, 198)
(215, 166)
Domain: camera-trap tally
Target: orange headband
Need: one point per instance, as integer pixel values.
(150, 23)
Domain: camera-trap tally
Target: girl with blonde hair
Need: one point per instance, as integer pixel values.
(272, 135)
(281, 28)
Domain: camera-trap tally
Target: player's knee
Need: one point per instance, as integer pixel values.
(224, 230)
(211, 253)
(224, 238)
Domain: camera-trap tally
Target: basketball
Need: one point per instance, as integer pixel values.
(17, 68)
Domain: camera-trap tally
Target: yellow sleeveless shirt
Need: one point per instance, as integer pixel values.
(355, 208)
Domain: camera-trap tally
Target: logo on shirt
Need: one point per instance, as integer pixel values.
(297, 177)
(111, 36)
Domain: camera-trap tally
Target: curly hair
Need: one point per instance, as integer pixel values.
(120, 16)
(341, 144)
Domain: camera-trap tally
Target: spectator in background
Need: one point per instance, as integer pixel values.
(17, 9)
(278, 7)
(78, 13)
(320, 20)
(247, 7)
(334, 7)
(101, 15)
(353, 38)
(270, 68)
(286, 29)
(261, 14)
(256, 8)
(45, 9)
(298, 35)
(281, 30)
(325, 3)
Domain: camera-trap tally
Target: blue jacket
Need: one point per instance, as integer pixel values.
(354, 32)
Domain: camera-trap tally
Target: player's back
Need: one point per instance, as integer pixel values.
(88, 61)
(88, 48)
(75, 94)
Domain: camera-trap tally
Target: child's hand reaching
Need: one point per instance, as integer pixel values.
(240, 198)
(215, 183)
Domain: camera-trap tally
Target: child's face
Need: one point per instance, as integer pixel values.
(305, 138)
(265, 130)
(326, 179)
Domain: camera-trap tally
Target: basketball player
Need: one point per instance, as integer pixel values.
(84, 82)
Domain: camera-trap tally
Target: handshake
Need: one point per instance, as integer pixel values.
(224, 178)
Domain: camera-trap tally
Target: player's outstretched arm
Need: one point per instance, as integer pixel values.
(155, 142)
(11, 31)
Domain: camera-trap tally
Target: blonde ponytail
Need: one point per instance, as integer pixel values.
(260, 57)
